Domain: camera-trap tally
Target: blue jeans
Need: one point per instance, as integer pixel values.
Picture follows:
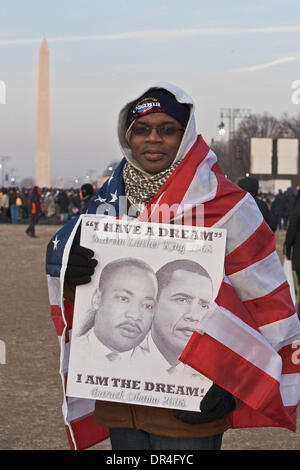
(34, 220)
(14, 213)
(135, 439)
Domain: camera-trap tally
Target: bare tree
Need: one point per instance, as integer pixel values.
(290, 126)
(259, 125)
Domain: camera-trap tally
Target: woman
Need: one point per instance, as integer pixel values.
(34, 210)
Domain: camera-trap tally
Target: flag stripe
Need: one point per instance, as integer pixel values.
(202, 188)
(69, 311)
(272, 307)
(227, 298)
(258, 246)
(281, 333)
(246, 417)
(57, 319)
(290, 389)
(65, 358)
(255, 280)
(241, 339)
(241, 221)
(54, 290)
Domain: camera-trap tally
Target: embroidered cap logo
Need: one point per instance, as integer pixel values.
(145, 105)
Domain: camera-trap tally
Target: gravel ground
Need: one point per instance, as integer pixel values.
(30, 385)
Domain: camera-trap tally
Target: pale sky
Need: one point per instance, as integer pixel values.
(229, 54)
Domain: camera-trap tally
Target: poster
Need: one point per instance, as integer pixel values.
(261, 154)
(287, 156)
(152, 285)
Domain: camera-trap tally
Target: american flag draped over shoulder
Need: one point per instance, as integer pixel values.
(251, 340)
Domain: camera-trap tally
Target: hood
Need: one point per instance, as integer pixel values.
(189, 136)
(249, 184)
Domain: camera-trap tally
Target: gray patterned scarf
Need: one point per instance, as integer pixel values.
(139, 188)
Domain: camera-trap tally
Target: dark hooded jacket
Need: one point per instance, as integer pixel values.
(35, 201)
(292, 239)
(251, 185)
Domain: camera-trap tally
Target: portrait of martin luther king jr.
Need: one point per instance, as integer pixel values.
(122, 311)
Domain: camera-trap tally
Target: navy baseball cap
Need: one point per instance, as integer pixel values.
(158, 101)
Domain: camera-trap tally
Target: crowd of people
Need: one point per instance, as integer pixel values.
(57, 206)
(52, 205)
(275, 208)
(282, 206)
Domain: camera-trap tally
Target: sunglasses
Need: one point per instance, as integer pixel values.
(162, 131)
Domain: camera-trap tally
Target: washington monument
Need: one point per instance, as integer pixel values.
(42, 149)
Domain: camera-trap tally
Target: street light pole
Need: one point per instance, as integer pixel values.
(232, 114)
(13, 176)
(3, 158)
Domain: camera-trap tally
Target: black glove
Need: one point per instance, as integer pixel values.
(80, 266)
(216, 404)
